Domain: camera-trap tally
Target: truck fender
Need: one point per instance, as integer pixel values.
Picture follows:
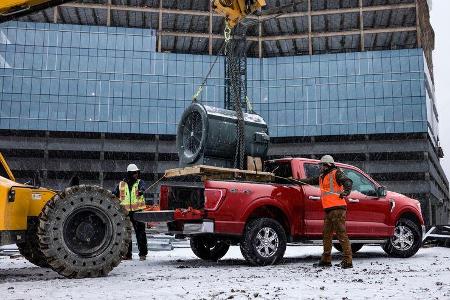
(408, 209)
(261, 202)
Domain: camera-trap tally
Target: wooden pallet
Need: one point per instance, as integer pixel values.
(210, 172)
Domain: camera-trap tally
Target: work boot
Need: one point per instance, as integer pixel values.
(345, 265)
(142, 257)
(322, 264)
(127, 258)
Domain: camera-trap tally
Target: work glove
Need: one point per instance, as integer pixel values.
(140, 193)
(343, 195)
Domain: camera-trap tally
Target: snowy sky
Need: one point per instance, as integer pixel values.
(440, 19)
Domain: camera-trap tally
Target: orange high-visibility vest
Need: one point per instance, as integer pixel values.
(330, 191)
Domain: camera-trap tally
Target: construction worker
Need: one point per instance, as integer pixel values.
(130, 191)
(334, 187)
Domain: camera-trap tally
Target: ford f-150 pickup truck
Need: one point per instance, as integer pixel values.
(262, 217)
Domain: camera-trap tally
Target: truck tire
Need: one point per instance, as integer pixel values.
(29, 248)
(84, 232)
(355, 247)
(406, 241)
(208, 248)
(264, 242)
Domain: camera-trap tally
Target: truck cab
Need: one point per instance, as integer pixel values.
(262, 217)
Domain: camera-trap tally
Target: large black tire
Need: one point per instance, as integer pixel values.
(406, 241)
(264, 242)
(29, 247)
(355, 247)
(208, 248)
(84, 232)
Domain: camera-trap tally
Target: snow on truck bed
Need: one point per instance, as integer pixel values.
(179, 274)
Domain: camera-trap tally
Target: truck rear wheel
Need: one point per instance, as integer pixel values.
(355, 247)
(84, 232)
(264, 242)
(406, 241)
(29, 248)
(208, 248)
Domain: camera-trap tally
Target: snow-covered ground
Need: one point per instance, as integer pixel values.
(179, 274)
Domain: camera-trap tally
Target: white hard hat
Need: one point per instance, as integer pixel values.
(132, 168)
(327, 159)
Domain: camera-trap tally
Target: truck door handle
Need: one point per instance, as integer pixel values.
(314, 198)
(353, 200)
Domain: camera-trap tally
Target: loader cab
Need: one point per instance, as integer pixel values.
(5, 171)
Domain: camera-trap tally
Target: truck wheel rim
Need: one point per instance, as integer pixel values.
(266, 242)
(403, 238)
(87, 231)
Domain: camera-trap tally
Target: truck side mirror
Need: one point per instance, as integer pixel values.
(381, 192)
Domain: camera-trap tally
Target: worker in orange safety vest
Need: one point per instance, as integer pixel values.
(335, 186)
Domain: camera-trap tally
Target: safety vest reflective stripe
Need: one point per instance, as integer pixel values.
(131, 201)
(134, 207)
(330, 191)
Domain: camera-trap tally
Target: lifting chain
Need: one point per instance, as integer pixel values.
(231, 50)
(233, 56)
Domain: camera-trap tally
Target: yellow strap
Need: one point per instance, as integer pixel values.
(197, 94)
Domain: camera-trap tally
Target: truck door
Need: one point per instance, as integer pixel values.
(313, 215)
(290, 194)
(367, 214)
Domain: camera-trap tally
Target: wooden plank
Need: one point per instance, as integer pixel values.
(211, 172)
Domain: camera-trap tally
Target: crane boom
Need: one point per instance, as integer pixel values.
(233, 10)
(12, 9)
(236, 10)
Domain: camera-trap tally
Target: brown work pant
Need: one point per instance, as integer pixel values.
(334, 221)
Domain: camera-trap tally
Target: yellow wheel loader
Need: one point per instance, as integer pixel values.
(79, 232)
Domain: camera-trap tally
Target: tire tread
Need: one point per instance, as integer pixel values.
(61, 261)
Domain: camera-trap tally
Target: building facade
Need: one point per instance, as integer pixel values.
(349, 78)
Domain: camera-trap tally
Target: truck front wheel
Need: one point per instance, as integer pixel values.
(264, 242)
(208, 248)
(406, 241)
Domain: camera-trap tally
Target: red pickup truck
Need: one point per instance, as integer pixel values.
(263, 217)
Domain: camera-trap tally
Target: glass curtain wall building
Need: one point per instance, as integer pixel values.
(89, 99)
(99, 79)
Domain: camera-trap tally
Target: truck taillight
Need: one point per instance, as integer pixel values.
(164, 197)
(213, 197)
